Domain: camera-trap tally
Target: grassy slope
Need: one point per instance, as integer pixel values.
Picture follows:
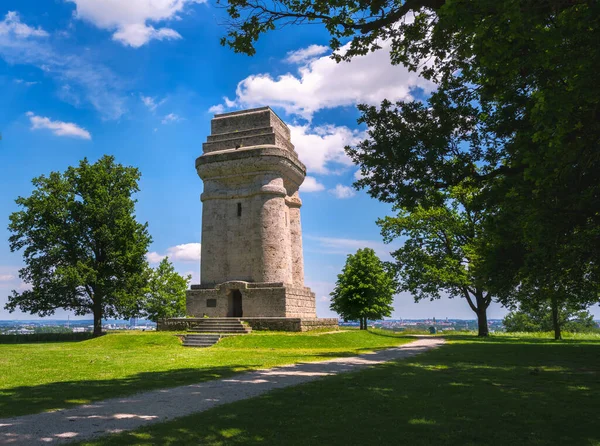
(501, 391)
(39, 377)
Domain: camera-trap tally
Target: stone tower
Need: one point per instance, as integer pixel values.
(252, 262)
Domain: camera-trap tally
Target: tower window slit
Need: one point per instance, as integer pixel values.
(239, 209)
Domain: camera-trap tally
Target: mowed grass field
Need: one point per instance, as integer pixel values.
(45, 376)
(505, 390)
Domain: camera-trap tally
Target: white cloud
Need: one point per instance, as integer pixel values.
(6, 277)
(358, 175)
(151, 102)
(129, 19)
(12, 25)
(306, 54)
(171, 117)
(311, 184)
(154, 257)
(188, 252)
(319, 147)
(322, 83)
(217, 109)
(342, 192)
(136, 35)
(148, 102)
(59, 128)
(86, 81)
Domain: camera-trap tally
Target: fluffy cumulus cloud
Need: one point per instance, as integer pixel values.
(311, 184)
(321, 83)
(59, 128)
(217, 109)
(342, 192)
(80, 80)
(131, 20)
(321, 148)
(188, 252)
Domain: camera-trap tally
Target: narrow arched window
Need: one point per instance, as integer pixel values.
(239, 209)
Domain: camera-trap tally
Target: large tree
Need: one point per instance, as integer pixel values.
(83, 249)
(516, 113)
(165, 295)
(554, 291)
(441, 252)
(544, 318)
(364, 290)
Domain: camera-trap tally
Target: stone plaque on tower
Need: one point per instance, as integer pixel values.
(251, 262)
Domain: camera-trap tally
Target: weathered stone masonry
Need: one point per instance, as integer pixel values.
(252, 261)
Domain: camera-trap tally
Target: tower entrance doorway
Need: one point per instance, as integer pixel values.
(235, 304)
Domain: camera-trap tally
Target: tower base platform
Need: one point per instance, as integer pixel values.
(256, 323)
(250, 299)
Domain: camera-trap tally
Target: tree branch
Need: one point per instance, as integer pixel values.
(469, 300)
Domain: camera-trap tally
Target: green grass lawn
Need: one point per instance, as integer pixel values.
(45, 376)
(504, 390)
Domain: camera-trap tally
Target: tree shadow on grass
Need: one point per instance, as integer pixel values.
(496, 393)
(24, 400)
(504, 339)
(58, 395)
(398, 335)
(37, 338)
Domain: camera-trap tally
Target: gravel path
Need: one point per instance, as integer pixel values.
(128, 413)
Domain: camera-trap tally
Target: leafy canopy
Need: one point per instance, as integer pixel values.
(83, 249)
(441, 251)
(540, 319)
(364, 289)
(165, 295)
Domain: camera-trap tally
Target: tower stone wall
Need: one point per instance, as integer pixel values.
(252, 262)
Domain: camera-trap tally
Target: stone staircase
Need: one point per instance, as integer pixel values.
(207, 332)
(205, 340)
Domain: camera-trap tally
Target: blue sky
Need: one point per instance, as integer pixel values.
(141, 80)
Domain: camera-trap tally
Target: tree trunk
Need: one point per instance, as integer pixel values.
(97, 320)
(366, 326)
(480, 308)
(360, 320)
(555, 320)
(482, 322)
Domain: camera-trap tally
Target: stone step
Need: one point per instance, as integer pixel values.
(203, 336)
(219, 324)
(236, 323)
(222, 330)
(194, 340)
(241, 327)
(200, 342)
